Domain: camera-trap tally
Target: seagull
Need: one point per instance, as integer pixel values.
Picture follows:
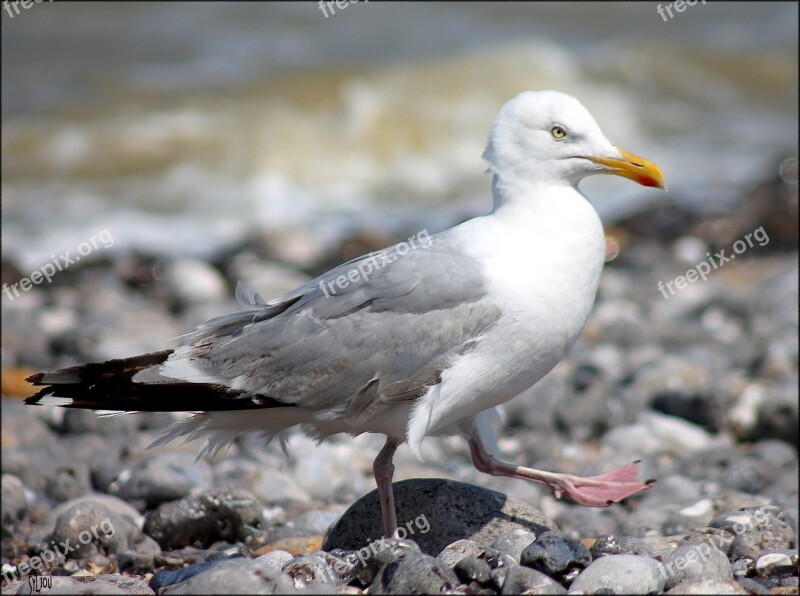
(412, 341)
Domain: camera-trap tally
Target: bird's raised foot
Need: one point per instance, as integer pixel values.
(601, 490)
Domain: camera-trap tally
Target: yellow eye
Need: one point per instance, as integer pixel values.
(558, 132)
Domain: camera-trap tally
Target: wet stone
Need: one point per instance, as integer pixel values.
(555, 554)
(776, 564)
(612, 544)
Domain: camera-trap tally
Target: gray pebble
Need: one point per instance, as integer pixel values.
(67, 482)
(235, 576)
(314, 568)
(414, 574)
(274, 487)
(777, 535)
(752, 586)
(621, 574)
(15, 503)
(160, 478)
(275, 559)
(460, 549)
(708, 586)
(692, 562)
(200, 520)
(555, 554)
(612, 544)
(716, 537)
(87, 528)
(523, 580)
(514, 542)
(776, 564)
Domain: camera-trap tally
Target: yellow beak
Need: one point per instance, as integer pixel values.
(633, 167)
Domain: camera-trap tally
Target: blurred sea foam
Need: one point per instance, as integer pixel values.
(183, 128)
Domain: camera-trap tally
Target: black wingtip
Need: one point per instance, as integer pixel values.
(35, 379)
(650, 482)
(637, 461)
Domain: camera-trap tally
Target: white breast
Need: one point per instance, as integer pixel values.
(542, 263)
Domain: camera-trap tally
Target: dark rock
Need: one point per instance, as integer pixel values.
(436, 511)
(228, 514)
(612, 544)
(473, 569)
(523, 580)
(414, 574)
(555, 554)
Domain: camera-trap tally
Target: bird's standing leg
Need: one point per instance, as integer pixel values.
(594, 491)
(383, 468)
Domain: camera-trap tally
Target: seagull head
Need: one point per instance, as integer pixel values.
(549, 137)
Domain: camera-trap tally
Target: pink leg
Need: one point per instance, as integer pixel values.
(594, 491)
(383, 468)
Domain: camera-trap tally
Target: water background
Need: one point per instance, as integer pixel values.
(185, 127)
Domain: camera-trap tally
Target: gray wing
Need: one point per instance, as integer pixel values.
(348, 344)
